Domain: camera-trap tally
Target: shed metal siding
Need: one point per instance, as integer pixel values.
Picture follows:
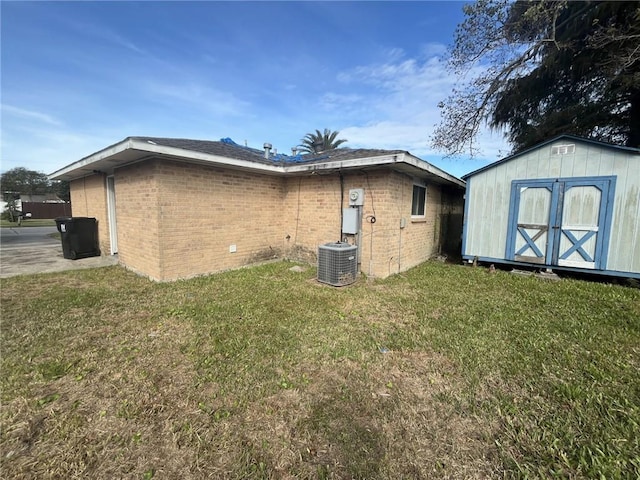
(624, 244)
(489, 191)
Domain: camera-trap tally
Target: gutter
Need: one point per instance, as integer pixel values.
(174, 152)
(386, 160)
(159, 151)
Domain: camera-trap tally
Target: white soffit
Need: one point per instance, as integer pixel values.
(133, 150)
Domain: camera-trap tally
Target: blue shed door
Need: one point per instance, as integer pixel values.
(560, 222)
(530, 232)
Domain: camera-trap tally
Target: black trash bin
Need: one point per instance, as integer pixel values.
(79, 237)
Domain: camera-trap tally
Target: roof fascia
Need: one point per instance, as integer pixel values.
(566, 136)
(159, 151)
(331, 165)
(93, 158)
(174, 152)
(384, 160)
(599, 143)
(433, 170)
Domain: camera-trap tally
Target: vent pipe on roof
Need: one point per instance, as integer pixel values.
(294, 151)
(267, 150)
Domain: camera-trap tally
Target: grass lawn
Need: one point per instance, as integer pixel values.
(29, 222)
(262, 373)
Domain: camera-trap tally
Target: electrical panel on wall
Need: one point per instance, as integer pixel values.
(356, 197)
(350, 221)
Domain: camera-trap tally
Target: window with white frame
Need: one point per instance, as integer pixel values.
(418, 201)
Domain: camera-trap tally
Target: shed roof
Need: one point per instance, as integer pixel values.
(228, 154)
(573, 138)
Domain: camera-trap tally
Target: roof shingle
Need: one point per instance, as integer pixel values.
(240, 152)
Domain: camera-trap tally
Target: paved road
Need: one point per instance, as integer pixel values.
(19, 237)
(25, 250)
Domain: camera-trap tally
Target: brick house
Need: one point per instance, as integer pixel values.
(176, 208)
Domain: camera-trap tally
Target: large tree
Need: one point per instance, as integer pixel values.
(23, 181)
(543, 68)
(320, 141)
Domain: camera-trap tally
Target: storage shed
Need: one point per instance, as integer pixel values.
(569, 203)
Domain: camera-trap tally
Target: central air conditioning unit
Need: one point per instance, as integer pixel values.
(337, 264)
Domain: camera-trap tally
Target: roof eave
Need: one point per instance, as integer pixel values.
(132, 150)
(419, 166)
(81, 164)
(435, 171)
(207, 158)
(567, 136)
(96, 162)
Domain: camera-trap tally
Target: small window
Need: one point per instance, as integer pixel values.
(418, 202)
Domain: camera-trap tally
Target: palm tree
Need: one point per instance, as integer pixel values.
(319, 142)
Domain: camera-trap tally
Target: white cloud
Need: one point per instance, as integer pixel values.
(49, 150)
(393, 54)
(337, 101)
(195, 94)
(104, 34)
(433, 49)
(33, 115)
(387, 135)
(398, 100)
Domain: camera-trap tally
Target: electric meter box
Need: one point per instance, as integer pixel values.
(356, 197)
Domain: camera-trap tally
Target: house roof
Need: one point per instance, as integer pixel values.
(226, 153)
(572, 138)
(41, 198)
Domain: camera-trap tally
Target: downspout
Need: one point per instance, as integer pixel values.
(341, 204)
(399, 248)
(401, 227)
(440, 238)
(84, 191)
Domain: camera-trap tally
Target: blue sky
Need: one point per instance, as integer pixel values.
(79, 76)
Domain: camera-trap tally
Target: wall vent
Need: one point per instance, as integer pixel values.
(563, 149)
(337, 264)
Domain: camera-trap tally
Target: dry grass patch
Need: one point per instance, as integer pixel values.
(392, 420)
(115, 412)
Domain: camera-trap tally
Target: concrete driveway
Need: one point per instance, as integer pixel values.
(26, 250)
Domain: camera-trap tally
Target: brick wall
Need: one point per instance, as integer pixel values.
(312, 214)
(419, 240)
(89, 199)
(137, 219)
(212, 219)
(178, 220)
(312, 209)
